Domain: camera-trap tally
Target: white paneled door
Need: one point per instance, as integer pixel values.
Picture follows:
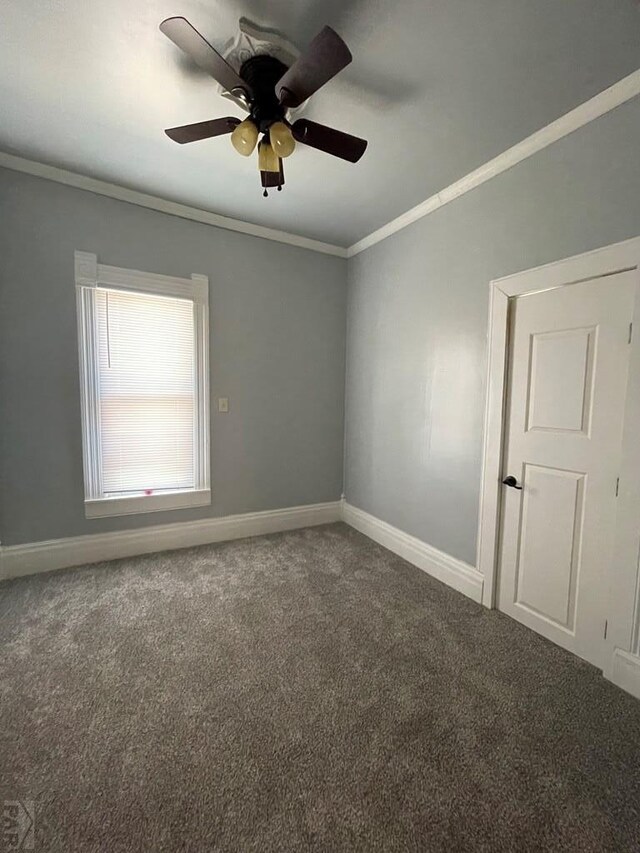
(568, 364)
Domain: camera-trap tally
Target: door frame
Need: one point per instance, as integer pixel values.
(623, 631)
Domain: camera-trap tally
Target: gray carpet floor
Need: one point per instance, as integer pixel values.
(301, 691)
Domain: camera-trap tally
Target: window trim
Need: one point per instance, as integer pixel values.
(89, 276)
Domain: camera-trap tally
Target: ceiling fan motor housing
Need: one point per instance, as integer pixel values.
(262, 72)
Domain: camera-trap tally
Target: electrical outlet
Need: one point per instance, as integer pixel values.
(223, 404)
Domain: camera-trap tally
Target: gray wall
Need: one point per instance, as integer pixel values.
(277, 352)
(417, 322)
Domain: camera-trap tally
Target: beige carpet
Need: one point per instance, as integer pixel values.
(302, 691)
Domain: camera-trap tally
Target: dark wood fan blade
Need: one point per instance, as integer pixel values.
(324, 58)
(327, 139)
(187, 38)
(202, 130)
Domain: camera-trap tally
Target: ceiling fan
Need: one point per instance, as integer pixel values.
(268, 89)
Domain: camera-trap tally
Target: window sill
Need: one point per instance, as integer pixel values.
(104, 507)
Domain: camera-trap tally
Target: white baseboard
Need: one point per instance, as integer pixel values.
(449, 570)
(17, 560)
(625, 671)
(36, 557)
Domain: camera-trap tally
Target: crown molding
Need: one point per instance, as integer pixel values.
(621, 92)
(93, 185)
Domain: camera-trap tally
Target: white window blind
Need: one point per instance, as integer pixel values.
(146, 376)
(143, 367)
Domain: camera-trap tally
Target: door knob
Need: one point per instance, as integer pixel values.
(511, 481)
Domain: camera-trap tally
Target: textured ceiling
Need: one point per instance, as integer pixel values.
(438, 87)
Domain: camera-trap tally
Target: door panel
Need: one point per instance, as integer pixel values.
(548, 566)
(561, 377)
(568, 363)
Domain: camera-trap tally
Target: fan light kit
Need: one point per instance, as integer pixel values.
(268, 89)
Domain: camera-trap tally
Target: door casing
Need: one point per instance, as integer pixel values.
(623, 612)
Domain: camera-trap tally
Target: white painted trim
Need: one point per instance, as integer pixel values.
(621, 92)
(18, 560)
(624, 603)
(89, 277)
(605, 260)
(624, 593)
(89, 273)
(93, 185)
(85, 268)
(195, 288)
(489, 516)
(443, 567)
(130, 505)
(625, 672)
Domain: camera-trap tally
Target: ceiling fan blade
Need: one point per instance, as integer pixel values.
(327, 139)
(324, 58)
(188, 39)
(202, 130)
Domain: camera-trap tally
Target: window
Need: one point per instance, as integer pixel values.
(143, 344)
